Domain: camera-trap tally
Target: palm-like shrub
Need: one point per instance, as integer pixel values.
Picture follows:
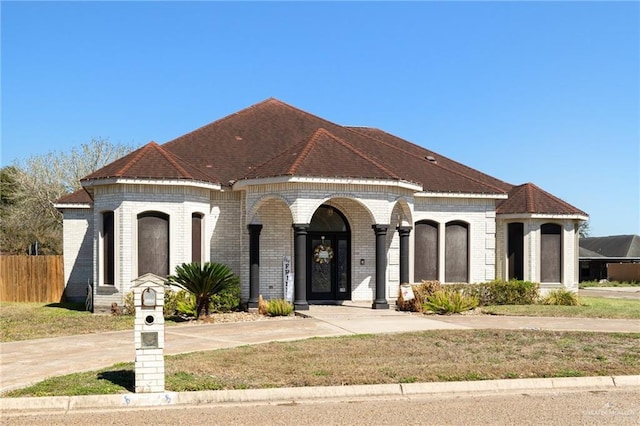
(449, 301)
(561, 297)
(203, 281)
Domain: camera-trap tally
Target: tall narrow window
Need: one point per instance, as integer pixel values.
(515, 249)
(426, 251)
(108, 249)
(196, 237)
(153, 243)
(456, 254)
(550, 253)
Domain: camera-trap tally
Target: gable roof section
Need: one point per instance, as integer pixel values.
(529, 199)
(237, 146)
(321, 155)
(151, 162)
(615, 246)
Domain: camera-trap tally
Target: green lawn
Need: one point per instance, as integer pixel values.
(431, 356)
(23, 321)
(587, 284)
(592, 307)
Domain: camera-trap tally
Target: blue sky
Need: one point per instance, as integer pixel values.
(542, 92)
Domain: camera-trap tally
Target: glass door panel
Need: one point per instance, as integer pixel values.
(321, 269)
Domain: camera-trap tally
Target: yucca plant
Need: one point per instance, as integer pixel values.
(561, 297)
(203, 281)
(279, 308)
(449, 301)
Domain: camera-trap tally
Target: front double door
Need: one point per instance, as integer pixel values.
(328, 268)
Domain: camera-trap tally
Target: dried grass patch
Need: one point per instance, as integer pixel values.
(419, 357)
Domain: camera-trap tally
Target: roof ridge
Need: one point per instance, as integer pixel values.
(310, 143)
(225, 118)
(555, 198)
(529, 197)
(361, 154)
(135, 158)
(431, 152)
(422, 158)
(171, 158)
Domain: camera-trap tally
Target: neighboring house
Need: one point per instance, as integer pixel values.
(597, 252)
(356, 211)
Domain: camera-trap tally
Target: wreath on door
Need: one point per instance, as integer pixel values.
(322, 254)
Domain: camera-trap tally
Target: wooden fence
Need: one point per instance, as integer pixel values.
(31, 278)
(628, 272)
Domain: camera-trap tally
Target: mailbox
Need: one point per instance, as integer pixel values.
(148, 299)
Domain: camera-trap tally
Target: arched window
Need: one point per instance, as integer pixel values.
(515, 251)
(196, 237)
(153, 243)
(550, 253)
(108, 249)
(456, 252)
(426, 251)
(328, 219)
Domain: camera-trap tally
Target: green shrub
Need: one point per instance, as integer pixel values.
(170, 303)
(513, 292)
(128, 306)
(562, 297)
(227, 300)
(279, 308)
(449, 301)
(186, 304)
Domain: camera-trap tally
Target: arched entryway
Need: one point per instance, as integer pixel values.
(328, 256)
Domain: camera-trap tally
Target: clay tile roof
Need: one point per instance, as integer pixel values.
(151, 162)
(529, 199)
(322, 155)
(81, 196)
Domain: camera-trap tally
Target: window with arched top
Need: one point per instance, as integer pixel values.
(108, 248)
(456, 252)
(328, 219)
(153, 243)
(515, 251)
(425, 265)
(550, 253)
(196, 237)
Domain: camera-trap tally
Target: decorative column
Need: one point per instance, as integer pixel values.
(254, 264)
(404, 232)
(300, 265)
(381, 267)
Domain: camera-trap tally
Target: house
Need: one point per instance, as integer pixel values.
(597, 253)
(352, 211)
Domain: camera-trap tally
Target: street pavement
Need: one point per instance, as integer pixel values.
(26, 362)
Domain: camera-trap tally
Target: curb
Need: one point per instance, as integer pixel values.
(405, 390)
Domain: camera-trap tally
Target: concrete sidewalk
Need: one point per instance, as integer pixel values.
(27, 362)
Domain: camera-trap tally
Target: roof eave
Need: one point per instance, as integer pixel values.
(326, 180)
(611, 258)
(150, 181)
(434, 194)
(573, 216)
(72, 206)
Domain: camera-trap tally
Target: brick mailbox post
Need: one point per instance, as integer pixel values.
(148, 299)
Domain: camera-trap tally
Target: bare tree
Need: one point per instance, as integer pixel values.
(583, 229)
(31, 187)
